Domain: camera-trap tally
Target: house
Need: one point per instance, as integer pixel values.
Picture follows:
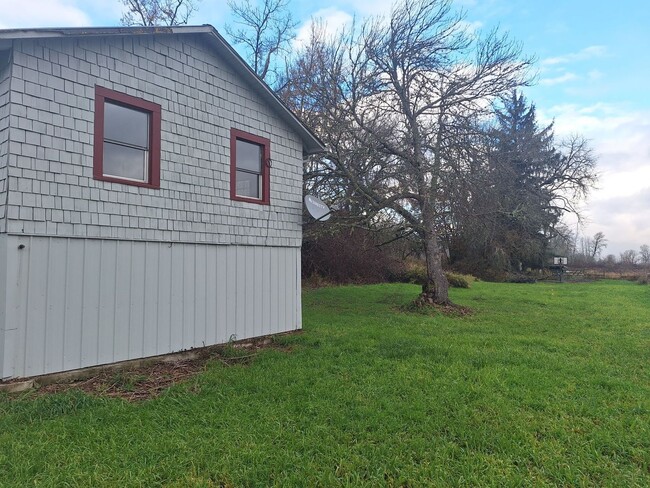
(150, 197)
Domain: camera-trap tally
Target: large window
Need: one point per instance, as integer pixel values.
(250, 160)
(127, 139)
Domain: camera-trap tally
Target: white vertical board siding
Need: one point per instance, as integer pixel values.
(74, 303)
(3, 300)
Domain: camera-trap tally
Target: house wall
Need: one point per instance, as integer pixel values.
(51, 147)
(110, 272)
(84, 302)
(5, 338)
(5, 72)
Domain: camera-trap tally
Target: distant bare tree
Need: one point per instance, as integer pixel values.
(598, 244)
(264, 30)
(628, 257)
(157, 12)
(610, 260)
(644, 254)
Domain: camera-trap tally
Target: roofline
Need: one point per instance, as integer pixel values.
(311, 143)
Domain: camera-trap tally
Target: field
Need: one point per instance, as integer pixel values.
(543, 385)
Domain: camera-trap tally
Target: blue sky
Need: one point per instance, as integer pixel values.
(593, 67)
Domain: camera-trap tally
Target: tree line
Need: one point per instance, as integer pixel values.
(429, 138)
(589, 251)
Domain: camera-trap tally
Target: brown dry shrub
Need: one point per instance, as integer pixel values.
(348, 256)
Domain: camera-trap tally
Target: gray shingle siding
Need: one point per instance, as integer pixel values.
(5, 72)
(50, 160)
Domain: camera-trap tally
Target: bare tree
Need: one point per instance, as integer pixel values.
(610, 260)
(401, 95)
(598, 244)
(644, 254)
(628, 257)
(264, 30)
(157, 12)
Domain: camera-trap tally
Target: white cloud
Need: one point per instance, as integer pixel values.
(42, 13)
(620, 137)
(331, 19)
(370, 7)
(595, 74)
(623, 220)
(564, 78)
(582, 55)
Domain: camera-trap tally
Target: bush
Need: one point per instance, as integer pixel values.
(644, 280)
(348, 256)
(520, 278)
(414, 272)
(457, 280)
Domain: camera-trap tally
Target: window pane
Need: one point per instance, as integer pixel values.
(126, 125)
(249, 156)
(248, 185)
(125, 162)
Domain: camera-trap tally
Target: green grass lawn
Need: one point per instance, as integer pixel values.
(545, 384)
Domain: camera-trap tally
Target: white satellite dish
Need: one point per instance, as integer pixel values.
(317, 208)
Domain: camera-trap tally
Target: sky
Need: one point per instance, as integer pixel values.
(591, 78)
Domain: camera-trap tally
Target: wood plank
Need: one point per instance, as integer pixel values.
(74, 298)
(274, 282)
(223, 295)
(241, 298)
(108, 284)
(136, 300)
(231, 292)
(176, 301)
(265, 281)
(152, 306)
(189, 294)
(90, 308)
(123, 289)
(165, 307)
(200, 297)
(211, 294)
(55, 310)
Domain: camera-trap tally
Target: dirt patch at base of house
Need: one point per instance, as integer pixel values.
(133, 384)
(146, 381)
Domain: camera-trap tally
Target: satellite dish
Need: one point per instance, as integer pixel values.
(317, 208)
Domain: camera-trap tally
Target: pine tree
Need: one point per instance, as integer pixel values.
(521, 161)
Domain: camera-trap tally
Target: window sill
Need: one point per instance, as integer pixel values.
(237, 198)
(112, 179)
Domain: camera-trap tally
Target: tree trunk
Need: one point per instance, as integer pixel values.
(436, 288)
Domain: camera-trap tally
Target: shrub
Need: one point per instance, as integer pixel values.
(520, 278)
(414, 272)
(457, 280)
(644, 280)
(348, 256)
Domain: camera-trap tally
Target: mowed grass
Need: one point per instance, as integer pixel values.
(543, 385)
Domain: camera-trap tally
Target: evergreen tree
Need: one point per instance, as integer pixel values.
(518, 192)
(521, 160)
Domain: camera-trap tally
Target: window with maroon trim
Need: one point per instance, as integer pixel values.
(127, 139)
(250, 162)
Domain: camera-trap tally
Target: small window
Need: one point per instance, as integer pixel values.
(127, 139)
(249, 167)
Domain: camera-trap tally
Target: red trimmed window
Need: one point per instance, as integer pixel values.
(250, 164)
(127, 139)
